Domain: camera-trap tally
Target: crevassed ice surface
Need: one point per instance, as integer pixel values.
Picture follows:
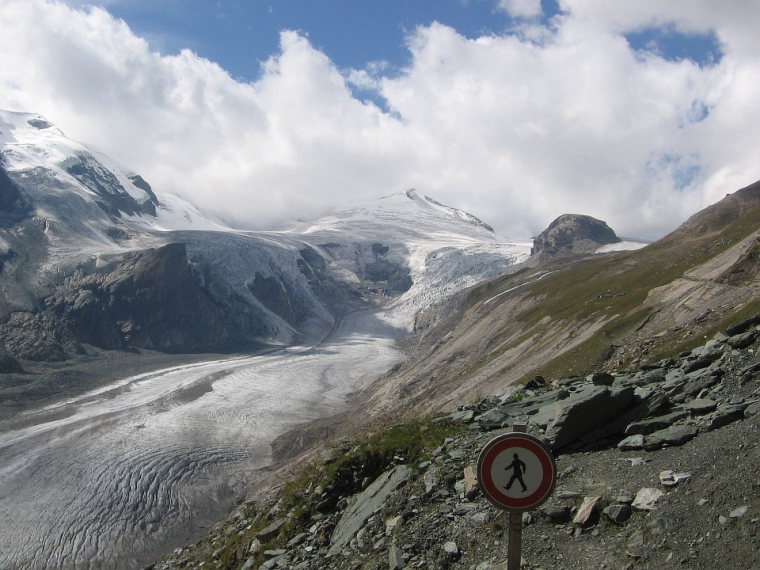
(115, 477)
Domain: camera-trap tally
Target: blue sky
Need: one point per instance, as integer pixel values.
(239, 34)
(638, 112)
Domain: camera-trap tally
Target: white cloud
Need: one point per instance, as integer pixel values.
(516, 130)
(521, 8)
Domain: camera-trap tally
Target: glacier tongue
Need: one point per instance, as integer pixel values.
(113, 477)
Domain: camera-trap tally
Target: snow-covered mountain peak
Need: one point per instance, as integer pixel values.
(453, 213)
(408, 215)
(63, 178)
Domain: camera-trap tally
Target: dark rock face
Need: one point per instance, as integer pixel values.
(14, 206)
(113, 198)
(148, 300)
(274, 294)
(573, 233)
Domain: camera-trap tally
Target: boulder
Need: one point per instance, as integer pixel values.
(364, 505)
(585, 410)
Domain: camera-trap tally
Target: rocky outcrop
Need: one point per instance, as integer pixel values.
(364, 506)
(14, 206)
(573, 233)
(149, 300)
(112, 197)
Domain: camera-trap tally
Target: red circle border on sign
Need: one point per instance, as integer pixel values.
(492, 492)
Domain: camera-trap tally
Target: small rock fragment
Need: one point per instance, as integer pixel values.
(585, 511)
(739, 512)
(646, 498)
(618, 513)
(671, 479)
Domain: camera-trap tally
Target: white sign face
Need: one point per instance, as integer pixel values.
(516, 472)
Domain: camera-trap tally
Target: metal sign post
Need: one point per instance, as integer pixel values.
(516, 473)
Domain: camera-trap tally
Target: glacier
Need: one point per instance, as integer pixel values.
(117, 475)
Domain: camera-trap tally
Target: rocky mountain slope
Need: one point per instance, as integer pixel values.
(579, 314)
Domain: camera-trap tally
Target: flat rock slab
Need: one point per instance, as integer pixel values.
(365, 504)
(700, 406)
(674, 435)
(652, 425)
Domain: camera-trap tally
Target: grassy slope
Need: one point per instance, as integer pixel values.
(613, 288)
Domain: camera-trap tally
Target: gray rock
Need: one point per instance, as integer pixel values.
(649, 402)
(674, 435)
(462, 417)
(296, 540)
(752, 410)
(701, 380)
(492, 419)
(743, 326)
(724, 415)
(396, 558)
(701, 362)
(651, 425)
(364, 504)
(739, 512)
(636, 547)
(601, 379)
(618, 513)
(572, 233)
(430, 479)
(557, 514)
(465, 508)
(646, 498)
(585, 410)
(450, 547)
(272, 530)
(744, 340)
(700, 406)
(669, 478)
(631, 443)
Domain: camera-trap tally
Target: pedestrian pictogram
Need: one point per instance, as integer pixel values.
(516, 472)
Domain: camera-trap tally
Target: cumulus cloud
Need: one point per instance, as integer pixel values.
(521, 8)
(517, 128)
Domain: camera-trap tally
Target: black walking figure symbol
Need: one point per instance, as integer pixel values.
(518, 469)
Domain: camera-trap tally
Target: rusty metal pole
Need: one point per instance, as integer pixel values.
(514, 544)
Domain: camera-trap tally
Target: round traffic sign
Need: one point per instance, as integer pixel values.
(516, 472)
